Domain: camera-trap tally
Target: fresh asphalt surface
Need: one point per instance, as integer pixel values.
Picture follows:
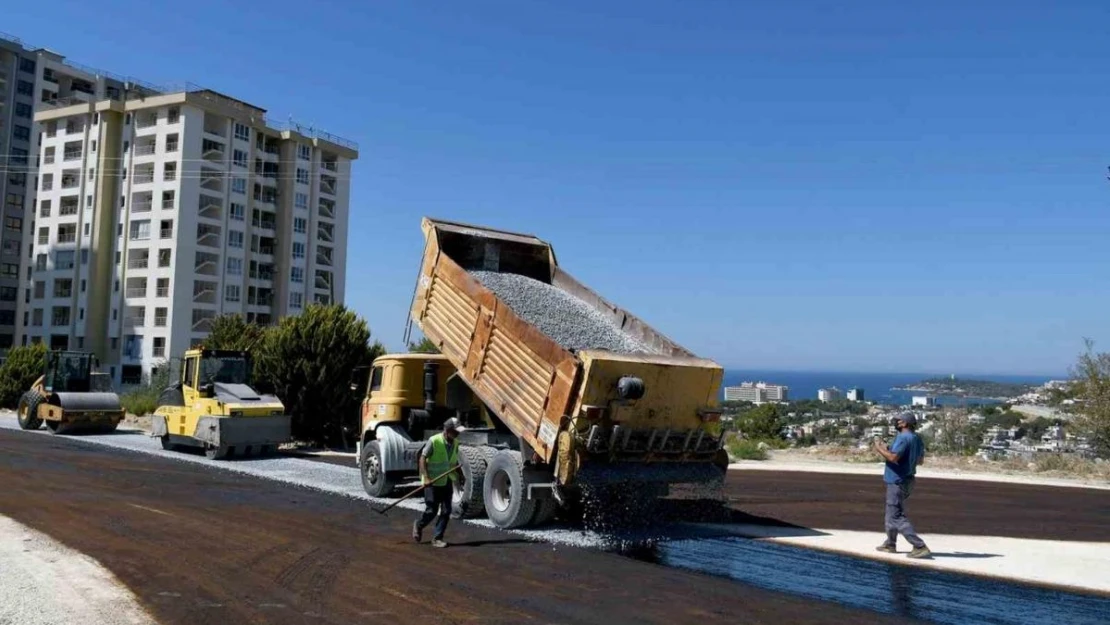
(202, 545)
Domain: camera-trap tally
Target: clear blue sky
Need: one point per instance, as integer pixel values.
(868, 186)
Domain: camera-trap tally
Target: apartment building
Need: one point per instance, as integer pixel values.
(30, 76)
(756, 392)
(157, 212)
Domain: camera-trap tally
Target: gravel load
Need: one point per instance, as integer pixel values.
(567, 320)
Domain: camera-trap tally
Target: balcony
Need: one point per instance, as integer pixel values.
(67, 235)
(133, 322)
(135, 292)
(138, 259)
(146, 147)
(162, 291)
(207, 264)
(144, 174)
(202, 320)
(204, 292)
(323, 280)
(215, 126)
(324, 260)
(212, 151)
(327, 209)
(166, 233)
(265, 195)
(68, 206)
(212, 181)
(168, 203)
(208, 236)
(327, 184)
(210, 209)
(331, 166)
(142, 202)
(71, 179)
(324, 233)
(146, 120)
(263, 223)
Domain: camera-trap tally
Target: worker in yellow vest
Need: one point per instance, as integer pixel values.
(439, 455)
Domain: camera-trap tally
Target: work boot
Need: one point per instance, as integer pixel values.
(417, 533)
(439, 543)
(920, 552)
(887, 548)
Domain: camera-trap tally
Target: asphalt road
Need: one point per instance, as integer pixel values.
(198, 545)
(855, 502)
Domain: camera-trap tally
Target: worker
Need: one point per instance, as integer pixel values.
(902, 457)
(439, 455)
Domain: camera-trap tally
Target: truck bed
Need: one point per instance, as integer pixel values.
(539, 387)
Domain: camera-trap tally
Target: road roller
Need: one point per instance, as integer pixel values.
(71, 397)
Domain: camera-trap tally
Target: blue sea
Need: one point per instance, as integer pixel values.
(876, 386)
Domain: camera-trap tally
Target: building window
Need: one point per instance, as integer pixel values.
(24, 110)
(166, 229)
(27, 65)
(21, 133)
(25, 88)
(8, 293)
(304, 152)
(238, 212)
(239, 157)
(162, 288)
(44, 206)
(169, 172)
(140, 230)
(232, 293)
(159, 347)
(234, 238)
(302, 200)
(171, 142)
(64, 259)
(36, 317)
(40, 289)
(160, 315)
(15, 224)
(164, 257)
(174, 115)
(59, 316)
(242, 132)
(302, 175)
(15, 201)
(300, 224)
(296, 300)
(9, 270)
(63, 288)
(298, 250)
(297, 275)
(234, 266)
(239, 185)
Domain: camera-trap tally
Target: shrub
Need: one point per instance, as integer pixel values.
(20, 370)
(308, 360)
(231, 331)
(143, 400)
(746, 449)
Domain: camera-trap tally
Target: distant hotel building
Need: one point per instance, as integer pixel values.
(924, 400)
(756, 392)
(855, 394)
(829, 394)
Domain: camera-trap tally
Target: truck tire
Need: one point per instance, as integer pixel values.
(545, 512)
(375, 481)
(505, 491)
(468, 500)
(28, 410)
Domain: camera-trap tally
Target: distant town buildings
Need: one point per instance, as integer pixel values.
(855, 394)
(926, 401)
(829, 394)
(756, 392)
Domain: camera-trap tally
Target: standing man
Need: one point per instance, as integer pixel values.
(439, 455)
(902, 458)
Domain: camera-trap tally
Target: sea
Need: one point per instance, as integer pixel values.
(877, 387)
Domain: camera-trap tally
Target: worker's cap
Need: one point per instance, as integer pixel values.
(452, 425)
(908, 417)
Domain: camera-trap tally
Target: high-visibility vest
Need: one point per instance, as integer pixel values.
(442, 459)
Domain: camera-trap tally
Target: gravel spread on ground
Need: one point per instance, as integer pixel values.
(42, 582)
(569, 321)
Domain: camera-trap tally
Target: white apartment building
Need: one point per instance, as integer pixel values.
(756, 392)
(855, 394)
(29, 77)
(829, 394)
(156, 213)
(925, 401)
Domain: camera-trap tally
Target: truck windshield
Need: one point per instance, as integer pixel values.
(226, 370)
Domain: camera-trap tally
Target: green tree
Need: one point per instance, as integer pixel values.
(22, 367)
(1092, 391)
(763, 422)
(232, 331)
(308, 360)
(425, 346)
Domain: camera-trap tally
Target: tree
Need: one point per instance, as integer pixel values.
(425, 346)
(1092, 391)
(763, 422)
(308, 361)
(22, 367)
(231, 331)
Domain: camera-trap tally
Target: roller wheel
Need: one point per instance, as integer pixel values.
(467, 501)
(28, 410)
(504, 491)
(375, 481)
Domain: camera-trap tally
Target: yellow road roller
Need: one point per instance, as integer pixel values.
(71, 397)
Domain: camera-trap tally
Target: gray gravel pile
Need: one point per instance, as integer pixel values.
(569, 321)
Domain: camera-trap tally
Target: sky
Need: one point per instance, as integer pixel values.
(775, 185)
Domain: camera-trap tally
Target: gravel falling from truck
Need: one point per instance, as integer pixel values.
(567, 320)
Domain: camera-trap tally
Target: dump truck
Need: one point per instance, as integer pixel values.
(71, 397)
(213, 407)
(559, 390)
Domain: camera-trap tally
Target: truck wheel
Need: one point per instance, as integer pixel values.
(505, 489)
(28, 410)
(375, 481)
(467, 502)
(545, 511)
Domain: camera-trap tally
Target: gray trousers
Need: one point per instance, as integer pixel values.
(896, 521)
